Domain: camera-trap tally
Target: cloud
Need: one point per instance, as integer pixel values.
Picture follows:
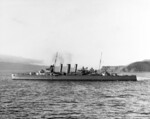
(19, 21)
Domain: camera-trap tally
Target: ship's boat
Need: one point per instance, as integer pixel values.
(77, 75)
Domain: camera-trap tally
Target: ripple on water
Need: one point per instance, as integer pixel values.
(73, 100)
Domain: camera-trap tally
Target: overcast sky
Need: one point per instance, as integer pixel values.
(78, 29)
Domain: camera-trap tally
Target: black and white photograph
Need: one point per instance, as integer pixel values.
(74, 59)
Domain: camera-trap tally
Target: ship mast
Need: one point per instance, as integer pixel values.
(100, 62)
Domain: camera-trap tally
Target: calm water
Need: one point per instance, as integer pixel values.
(73, 100)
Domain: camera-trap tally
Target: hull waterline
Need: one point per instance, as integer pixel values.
(74, 78)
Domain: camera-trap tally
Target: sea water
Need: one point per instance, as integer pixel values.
(74, 100)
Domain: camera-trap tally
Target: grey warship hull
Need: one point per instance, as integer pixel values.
(74, 77)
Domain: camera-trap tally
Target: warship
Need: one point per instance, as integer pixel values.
(50, 74)
(83, 74)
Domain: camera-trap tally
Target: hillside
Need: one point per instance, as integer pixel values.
(15, 63)
(16, 59)
(140, 66)
(19, 66)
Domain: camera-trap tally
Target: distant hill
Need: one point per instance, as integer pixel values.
(16, 59)
(19, 66)
(7, 66)
(14, 63)
(140, 66)
(19, 63)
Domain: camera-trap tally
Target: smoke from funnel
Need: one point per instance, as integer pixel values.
(68, 57)
(62, 58)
